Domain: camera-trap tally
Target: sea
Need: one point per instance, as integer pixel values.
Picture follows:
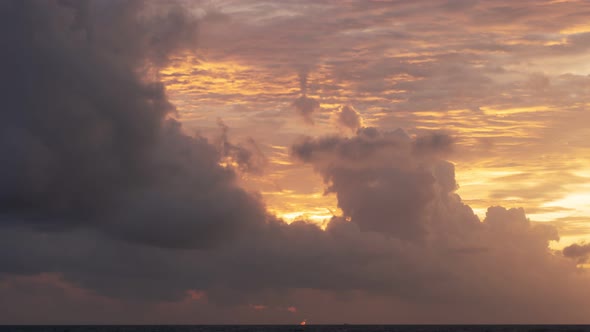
(307, 328)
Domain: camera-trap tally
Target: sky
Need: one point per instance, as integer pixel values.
(269, 162)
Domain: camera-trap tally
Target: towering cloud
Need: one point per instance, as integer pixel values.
(401, 188)
(85, 134)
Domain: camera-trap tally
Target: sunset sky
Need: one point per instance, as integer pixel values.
(333, 161)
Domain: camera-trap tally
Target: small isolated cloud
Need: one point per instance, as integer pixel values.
(349, 118)
(246, 156)
(581, 252)
(305, 107)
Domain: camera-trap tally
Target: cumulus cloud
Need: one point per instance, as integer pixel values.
(349, 118)
(384, 187)
(581, 252)
(380, 183)
(85, 131)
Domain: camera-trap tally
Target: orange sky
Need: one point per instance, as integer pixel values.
(509, 82)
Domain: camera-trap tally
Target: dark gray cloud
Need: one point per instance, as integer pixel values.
(380, 181)
(430, 252)
(579, 251)
(85, 139)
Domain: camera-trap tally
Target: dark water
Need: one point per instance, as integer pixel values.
(309, 328)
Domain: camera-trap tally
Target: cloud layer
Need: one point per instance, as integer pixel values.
(106, 201)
